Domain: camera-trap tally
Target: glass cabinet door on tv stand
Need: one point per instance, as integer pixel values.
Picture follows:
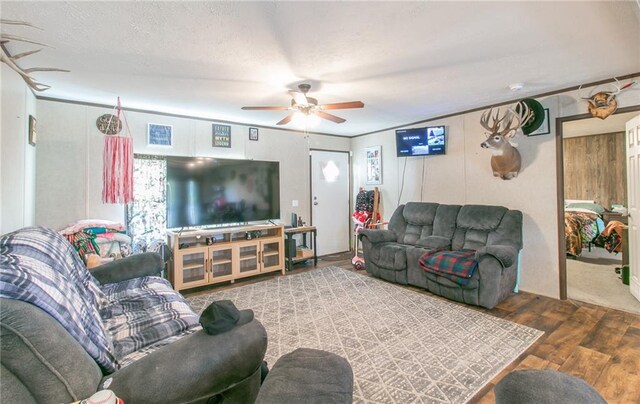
(194, 268)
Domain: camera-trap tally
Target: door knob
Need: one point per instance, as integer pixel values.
(315, 203)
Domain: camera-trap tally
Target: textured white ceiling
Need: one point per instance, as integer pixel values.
(407, 61)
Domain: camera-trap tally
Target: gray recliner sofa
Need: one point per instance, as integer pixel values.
(42, 362)
(494, 232)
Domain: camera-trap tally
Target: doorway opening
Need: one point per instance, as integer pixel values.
(592, 202)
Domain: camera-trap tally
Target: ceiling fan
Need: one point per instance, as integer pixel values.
(300, 103)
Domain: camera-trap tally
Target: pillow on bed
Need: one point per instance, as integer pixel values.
(594, 207)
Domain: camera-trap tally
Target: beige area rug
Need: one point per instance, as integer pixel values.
(403, 346)
(592, 279)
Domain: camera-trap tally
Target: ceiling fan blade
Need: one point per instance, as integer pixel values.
(300, 98)
(267, 108)
(330, 117)
(343, 105)
(286, 119)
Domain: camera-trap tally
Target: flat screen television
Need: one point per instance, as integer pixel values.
(205, 191)
(421, 141)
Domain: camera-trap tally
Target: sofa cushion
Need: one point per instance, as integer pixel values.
(143, 311)
(434, 242)
(390, 255)
(40, 267)
(474, 224)
(419, 217)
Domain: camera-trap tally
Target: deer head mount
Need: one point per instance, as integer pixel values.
(604, 103)
(10, 60)
(505, 159)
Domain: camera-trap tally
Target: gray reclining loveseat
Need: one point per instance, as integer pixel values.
(62, 341)
(493, 232)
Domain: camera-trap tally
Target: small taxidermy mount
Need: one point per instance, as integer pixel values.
(604, 103)
(11, 60)
(506, 160)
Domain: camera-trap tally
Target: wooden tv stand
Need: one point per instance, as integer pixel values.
(208, 256)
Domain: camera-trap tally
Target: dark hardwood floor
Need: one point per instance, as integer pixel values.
(597, 344)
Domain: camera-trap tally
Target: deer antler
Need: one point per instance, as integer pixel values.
(514, 121)
(619, 88)
(610, 94)
(11, 60)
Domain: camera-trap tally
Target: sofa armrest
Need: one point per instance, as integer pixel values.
(134, 266)
(193, 368)
(505, 254)
(375, 236)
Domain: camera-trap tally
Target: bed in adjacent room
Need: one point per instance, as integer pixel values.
(582, 224)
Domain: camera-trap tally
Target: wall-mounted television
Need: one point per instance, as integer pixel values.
(205, 191)
(421, 141)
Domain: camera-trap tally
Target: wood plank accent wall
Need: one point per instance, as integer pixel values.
(595, 168)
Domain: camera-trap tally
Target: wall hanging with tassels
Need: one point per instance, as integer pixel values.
(117, 171)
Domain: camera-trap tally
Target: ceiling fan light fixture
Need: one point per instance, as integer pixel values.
(313, 120)
(305, 111)
(299, 118)
(305, 119)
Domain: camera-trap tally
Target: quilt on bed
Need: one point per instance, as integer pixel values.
(580, 228)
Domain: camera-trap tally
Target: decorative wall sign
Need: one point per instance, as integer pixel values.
(221, 135)
(253, 134)
(109, 124)
(545, 127)
(374, 164)
(32, 130)
(159, 135)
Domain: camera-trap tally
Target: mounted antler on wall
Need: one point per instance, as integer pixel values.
(506, 160)
(604, 103)
(11, 60)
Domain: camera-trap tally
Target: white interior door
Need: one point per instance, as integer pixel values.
(633, 198)
(330, 200)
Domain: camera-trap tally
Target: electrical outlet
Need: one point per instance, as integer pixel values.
(294, 203)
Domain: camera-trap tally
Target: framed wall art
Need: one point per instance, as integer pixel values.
(159, 135)
(32, 130)
(374, 164)
(221, 135)
(253, 134)
(545, 128)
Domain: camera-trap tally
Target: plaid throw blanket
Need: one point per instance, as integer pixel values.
(39, 266)
(457, 266)
(143, 311)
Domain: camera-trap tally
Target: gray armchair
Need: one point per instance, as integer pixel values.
(42, 362)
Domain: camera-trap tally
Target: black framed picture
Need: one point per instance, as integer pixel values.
(545, 128)
(159, 135)
(253, 134)
(221, 135)
(32, 130)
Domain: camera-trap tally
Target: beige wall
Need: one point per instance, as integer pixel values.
(69, 165)
(464, 176)
(69, 168)
(17, 157)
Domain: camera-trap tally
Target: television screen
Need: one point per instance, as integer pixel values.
(210, 191)
(420, 141)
